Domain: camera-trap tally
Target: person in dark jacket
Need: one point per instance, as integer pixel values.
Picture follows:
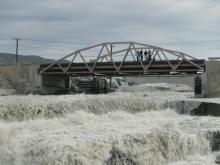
(138, 55)
(145, 55)
(141, 55)
(149, 55)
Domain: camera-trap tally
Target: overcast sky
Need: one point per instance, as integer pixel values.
(190, 26)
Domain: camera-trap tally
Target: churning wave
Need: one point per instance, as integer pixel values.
(114, 129)
(113, 138)
(18, 108)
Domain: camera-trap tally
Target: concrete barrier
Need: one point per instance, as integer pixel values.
(212, 85)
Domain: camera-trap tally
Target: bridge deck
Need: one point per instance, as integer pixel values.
(129, 68)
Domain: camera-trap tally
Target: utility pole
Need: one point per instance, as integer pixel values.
(17, 40)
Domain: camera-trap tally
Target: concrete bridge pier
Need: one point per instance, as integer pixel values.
(53, 84)
(198, 86)
(212, 75)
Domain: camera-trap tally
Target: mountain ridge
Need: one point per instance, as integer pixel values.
(9, 58)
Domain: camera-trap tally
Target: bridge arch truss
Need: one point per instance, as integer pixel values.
(120, 58)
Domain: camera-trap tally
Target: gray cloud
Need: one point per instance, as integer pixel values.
(96, 21)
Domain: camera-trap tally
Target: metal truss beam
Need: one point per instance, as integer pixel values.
(118, 58)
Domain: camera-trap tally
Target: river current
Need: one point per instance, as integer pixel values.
(133, 126)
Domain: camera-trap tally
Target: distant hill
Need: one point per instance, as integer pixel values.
(7, 58)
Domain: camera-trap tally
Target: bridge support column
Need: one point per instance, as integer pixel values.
(54, 84)
(110, 83)
(212, 88)
(198, 86)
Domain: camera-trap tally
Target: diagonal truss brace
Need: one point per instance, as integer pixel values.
(121, 55)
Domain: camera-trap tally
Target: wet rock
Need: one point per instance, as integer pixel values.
(196, 108)
(183, 107)
(132, 83)
(205, 109)
(119, 158)
(217, 160)
(214, 138)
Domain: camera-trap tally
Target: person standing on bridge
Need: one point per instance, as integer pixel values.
(145, 55)
(149, 55)
(141, 55)
(138, 55)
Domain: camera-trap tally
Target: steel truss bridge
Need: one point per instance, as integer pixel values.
(120, 59)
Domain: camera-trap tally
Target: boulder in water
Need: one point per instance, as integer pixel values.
(217, 160)
(214, 138)
(119, 158)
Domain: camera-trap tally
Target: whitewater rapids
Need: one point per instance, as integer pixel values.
(133, 126)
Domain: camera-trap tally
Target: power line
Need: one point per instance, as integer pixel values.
(58, 42)
(87, 43)
(40, 43)
(28, 44)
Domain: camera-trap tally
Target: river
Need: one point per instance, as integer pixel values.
(133, 126)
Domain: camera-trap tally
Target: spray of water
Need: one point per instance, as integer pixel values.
(18, 108)
(112, 138)
(117, 129)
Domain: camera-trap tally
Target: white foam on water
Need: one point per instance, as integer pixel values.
(87, 138)
(5, 92)
(123, 128)
(159, 91)
(18, 108)
(197, 160)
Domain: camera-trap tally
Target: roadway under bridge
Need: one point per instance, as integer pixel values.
(115, 59)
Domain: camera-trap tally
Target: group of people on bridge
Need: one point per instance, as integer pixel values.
(146, 54)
